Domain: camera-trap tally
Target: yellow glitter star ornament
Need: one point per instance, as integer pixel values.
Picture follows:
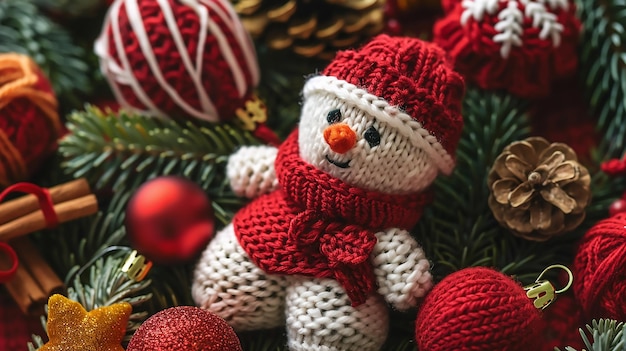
(72, 328)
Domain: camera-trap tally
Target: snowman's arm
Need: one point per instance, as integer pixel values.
(250, 170)
(401, 268)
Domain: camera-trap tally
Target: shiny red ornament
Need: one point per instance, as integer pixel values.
(618, 206)
(521, 46)
(169, 220)
(178, 58)
(478, 309)
(600, 270)
(184, 328)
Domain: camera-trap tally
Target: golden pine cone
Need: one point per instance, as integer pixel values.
(311, 28)
(538, 189)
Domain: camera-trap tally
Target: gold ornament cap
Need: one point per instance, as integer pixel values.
(543, 292)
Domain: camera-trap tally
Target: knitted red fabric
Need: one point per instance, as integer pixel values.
(15, 328)
(600, 269)
(529, 69)
(411, 74)
(562, 318)
(478, 309)
(30, 125)
(318, 226)
(216, 75)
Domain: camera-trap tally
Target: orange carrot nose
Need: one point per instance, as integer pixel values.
(340, 137)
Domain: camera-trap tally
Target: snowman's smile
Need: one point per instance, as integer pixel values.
(337, 163)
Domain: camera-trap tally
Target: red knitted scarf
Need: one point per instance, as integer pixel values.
(317, 225)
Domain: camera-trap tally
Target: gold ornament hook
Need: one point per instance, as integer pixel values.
(570, 276)
(542, 292)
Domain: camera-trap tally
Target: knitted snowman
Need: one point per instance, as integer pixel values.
(325, 247)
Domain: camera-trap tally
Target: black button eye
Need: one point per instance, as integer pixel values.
(372, 136)
(333, 116)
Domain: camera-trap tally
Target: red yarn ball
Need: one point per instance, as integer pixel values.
(169, 219)
(471, 33)
(178, 58)
(600, 270)
(562, 318)
(29, 121)
(184, 328)
(477, 309)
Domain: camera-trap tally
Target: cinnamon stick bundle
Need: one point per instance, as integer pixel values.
(34, 280)
(22, 216)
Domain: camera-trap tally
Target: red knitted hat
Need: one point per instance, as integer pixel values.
(406, 83)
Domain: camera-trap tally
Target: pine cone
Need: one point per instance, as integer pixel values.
(311, 28)
(538, 190)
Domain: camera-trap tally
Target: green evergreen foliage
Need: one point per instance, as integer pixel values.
(121, 152)
(459, 230)
(71, 7)
(606, 335)
(23, 29)
(603, 69)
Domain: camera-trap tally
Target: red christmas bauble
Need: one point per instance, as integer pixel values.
(184, 328)
(521, 46)
(29, 121)
(169, 219)
(600, 270)
(477, 309)
(178, 58)
(618, 206)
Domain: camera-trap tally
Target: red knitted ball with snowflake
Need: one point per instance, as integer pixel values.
(521, 46)
(177, 58)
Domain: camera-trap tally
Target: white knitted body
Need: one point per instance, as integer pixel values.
(251, 171)
(227, 283)
(317, 312)
(320, 318)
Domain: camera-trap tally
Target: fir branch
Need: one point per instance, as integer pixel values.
(77, 242)
(603, 69)
(23, 29)
(123, 152)
(458, 230)
(606, 335)
(108, 285)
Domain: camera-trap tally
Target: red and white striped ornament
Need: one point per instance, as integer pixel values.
(522, 46)
(178, 58)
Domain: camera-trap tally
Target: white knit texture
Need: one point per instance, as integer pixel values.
(228, 284)
(250, 171)
(401, 268)
(379, 109)
(395, 166)
(320, 318)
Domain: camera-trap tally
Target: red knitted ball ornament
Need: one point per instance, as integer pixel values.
(521, 46)
(29, 121)
(184, 328)
(600, 269)
(185, 58)
(477, 309)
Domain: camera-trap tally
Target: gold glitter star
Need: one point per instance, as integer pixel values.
(71, 328)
